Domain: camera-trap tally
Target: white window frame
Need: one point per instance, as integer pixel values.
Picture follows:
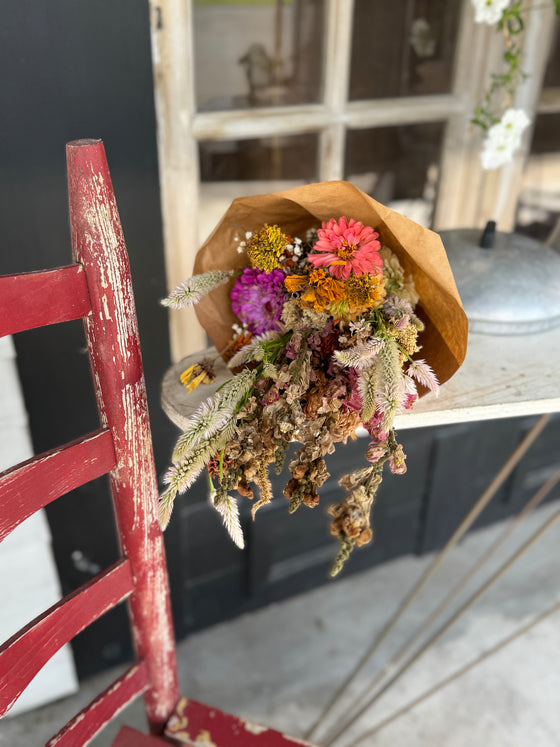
(467, 196)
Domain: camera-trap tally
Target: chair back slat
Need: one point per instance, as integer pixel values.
(114, 349)
(86, 724)
(33, 484)
(35, 299)
(23, 655)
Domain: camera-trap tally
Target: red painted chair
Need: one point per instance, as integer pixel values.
(97, 288)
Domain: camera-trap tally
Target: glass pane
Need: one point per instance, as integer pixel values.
(403, 48)
(259, 53)
(552, 73)
(236, 168)
(538, 210)
(398, 166)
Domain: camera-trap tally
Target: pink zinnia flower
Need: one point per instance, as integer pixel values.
(347, 247)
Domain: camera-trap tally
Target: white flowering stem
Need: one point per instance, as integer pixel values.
(190, 291)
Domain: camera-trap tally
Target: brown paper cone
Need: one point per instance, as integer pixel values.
(420, 251)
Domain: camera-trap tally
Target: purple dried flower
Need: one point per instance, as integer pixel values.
(293, 347)
(258, 298)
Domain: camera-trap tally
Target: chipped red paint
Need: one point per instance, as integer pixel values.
(33, 484)
(196, 724)
(86, 724)
(114, 350)
(49, 297)
(23, 655)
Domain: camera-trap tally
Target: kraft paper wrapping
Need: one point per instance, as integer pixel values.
(420, 251)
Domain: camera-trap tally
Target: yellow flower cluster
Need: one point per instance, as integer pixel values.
(265, 247)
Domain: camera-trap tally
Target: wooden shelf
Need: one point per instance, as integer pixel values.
(502, 377)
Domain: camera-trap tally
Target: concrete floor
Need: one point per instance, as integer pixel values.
(279, 665)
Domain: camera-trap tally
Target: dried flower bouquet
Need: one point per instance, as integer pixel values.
(325, 338)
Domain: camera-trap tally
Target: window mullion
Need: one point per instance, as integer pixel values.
(401, 111)
(241, 124)
(173, 67)
(338, 49)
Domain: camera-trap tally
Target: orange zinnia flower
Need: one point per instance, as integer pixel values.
(295, 283)
(328, 289)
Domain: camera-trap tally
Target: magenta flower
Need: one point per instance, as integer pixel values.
(258, 299)
(346, 248)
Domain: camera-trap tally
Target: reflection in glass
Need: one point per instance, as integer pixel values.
(398, 166)
(552, 72)
(282, 157)
(403, 47)
(259, 53)
(236, 168)
(538, 210)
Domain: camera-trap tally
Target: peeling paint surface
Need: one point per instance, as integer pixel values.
(113, 344)
(255, 728)
(205, 738)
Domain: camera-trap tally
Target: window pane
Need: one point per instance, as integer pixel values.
(398, 166)
(552, 73)
(259, 53)
(538, 211)
(236, 168)
(403, 48)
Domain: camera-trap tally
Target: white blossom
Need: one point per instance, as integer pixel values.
(513, 123)
(503, 139)
(496, 153)
(489, 11)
